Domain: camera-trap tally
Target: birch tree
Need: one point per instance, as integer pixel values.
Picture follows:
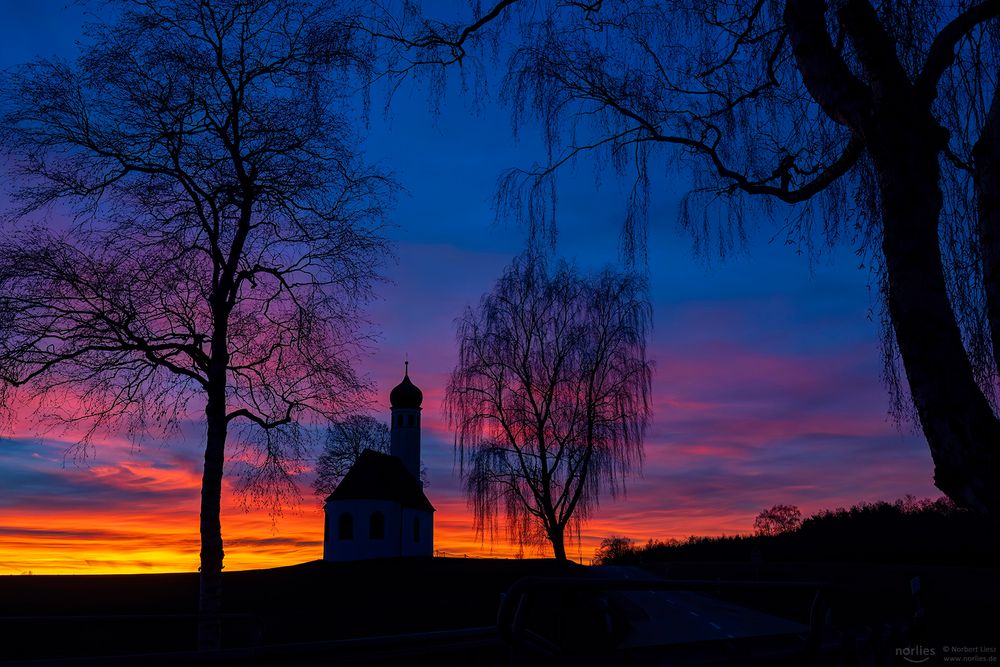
(219, 234)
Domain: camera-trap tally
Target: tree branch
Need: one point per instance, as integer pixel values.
(844, 98)
(941, 55)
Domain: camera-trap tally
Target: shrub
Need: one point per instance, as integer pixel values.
(778, 519)
(615, 550)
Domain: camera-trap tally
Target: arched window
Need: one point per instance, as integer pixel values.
(376, 528)
(399, 422)
(345, 531)
(416, 529)
(410, 421)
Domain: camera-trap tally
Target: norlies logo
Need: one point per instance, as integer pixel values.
(915, 654)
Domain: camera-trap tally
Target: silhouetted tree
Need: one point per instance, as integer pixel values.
(615, 549)
(345, 440)
(550, 397)
(873, 120)
(777, 519)
(223, 235)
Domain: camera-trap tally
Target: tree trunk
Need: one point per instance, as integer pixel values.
(986, 179)
(558, 539)
(956, 418)
(905, 143)
(210, 595)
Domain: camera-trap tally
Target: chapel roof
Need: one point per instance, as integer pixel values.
(376, 476)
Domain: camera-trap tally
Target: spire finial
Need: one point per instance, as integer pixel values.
(406, 366)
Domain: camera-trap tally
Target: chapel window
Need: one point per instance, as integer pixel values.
(345, 530)
(376, 528)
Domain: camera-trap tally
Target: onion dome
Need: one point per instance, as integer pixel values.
(406, 394)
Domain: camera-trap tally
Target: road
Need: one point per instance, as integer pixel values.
(658, 618)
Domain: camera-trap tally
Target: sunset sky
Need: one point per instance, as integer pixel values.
(766, 390)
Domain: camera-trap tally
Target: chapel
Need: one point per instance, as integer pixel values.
(379, 509)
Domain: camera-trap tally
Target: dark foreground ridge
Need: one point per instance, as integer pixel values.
(59, 616)
(449, 612)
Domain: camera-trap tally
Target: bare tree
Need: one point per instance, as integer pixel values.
(223, 235)
(615, 550)
(345, 440)
(777, 519)
(866, 120)
(550, 397)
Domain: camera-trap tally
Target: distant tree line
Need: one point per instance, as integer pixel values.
(917, 530)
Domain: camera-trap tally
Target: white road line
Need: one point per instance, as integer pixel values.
(692, 613)
(714, 625)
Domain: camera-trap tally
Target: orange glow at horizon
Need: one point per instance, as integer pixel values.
(119, 541)
(154, 536)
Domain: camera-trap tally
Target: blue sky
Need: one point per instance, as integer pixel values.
(767, 386)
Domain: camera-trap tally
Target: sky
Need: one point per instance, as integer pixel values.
(767, 386)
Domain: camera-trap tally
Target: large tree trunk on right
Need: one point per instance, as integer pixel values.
(905, 142)
(957, 420)
(986, 179)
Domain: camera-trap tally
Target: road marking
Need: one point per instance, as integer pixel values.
(731, 636)
(714, 625)
(692, 613)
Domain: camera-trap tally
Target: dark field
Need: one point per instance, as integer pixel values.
(954, 604)
(872, 608)
(72, 615)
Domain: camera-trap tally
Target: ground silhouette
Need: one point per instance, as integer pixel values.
(316, 601)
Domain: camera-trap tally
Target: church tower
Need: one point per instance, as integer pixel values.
(404, 431)
(379, 509)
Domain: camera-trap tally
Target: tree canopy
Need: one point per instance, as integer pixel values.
(777, 519)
